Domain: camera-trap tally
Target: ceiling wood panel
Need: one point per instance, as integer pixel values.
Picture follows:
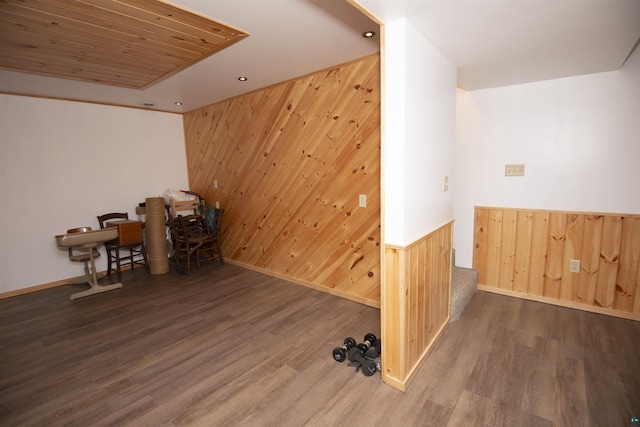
(132, 43)
(29, 28)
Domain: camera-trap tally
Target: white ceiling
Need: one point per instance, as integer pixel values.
(505, 42)
(493, 43)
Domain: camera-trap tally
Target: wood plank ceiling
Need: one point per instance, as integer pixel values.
(127, 43)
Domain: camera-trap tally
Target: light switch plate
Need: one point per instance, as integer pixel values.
(362, 200)
(514, 169)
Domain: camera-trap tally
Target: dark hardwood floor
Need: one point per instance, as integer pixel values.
(228, 346)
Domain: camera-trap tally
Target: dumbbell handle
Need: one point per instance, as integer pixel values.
(360, 350)
(374, 351)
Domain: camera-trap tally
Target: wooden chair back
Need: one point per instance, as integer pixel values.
(102, 219)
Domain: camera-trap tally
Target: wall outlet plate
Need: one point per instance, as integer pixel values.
(574, 266)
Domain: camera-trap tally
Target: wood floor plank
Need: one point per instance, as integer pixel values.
(541, 376)
(230, 346)
(456, 354)
(570, 392)
(601, 376)
(476, 410)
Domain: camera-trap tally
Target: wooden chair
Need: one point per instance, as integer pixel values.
(128, 254)
(211, 249)
(186, 240)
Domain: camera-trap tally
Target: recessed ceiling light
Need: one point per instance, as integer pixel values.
(178, 103)
(368, 34)
(243, 78)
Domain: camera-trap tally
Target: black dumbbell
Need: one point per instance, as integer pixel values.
(340, 353)
(368, 366)
(370, 363)
(361, 349)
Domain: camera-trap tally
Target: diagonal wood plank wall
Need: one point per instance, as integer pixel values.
(290, 161)
(527, 253)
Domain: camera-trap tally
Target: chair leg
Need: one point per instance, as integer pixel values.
(133, 253)
(219, 251)
(198, 256)
(178, 261)
(109, 261)
(118, 265)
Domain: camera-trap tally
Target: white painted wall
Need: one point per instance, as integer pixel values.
(418, 133)
(579, 138)
(62, 164)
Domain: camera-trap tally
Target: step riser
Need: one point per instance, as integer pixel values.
(464, 284)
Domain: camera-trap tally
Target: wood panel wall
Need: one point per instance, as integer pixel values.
(415, 303)
(527, 253)
(290, 161)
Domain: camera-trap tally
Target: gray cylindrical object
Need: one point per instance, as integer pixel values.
(156, 235)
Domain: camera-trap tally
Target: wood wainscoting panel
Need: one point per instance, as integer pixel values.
(290, 162)
(415, 303)
(627, 296)
(527, 253)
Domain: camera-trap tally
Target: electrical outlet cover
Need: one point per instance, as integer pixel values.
(574, 266)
